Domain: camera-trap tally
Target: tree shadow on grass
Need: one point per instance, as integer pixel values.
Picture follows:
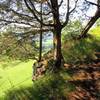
(49, 87)
(87, 89)
(87, 82)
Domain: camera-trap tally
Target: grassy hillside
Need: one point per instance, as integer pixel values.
(16, 84)
(95, 32)
(80, 51)
(14, 74)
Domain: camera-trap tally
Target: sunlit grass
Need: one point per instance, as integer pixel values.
(15, 75)
(49, 87)
(95, 32)
(16, 84)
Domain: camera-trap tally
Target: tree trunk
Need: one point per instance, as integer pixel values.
(53, 39)
(40, 51)
(90, 24)
(57, 49)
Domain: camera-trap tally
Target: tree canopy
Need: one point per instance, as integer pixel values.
(55, 15)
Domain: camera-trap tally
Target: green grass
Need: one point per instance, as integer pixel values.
(96, 32)
(49, 87)
(16, 84)
(14, 75)
(81, 51)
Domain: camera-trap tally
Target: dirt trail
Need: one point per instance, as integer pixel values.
(86, 78)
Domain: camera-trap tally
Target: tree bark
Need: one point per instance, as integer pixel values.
(57, 48)
(40, 51)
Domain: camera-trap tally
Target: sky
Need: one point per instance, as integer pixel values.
(63, 9)
(92, 10)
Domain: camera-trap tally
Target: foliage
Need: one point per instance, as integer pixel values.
(47, 88)
(15, 47)
(95, 32)
(80, 51)
(17, 84)
(72, 30)
(47, 13)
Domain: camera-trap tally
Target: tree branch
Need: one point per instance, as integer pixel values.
(69, 12)
(91, 22)
(93, 3)
(21, 15)
(49, 4)
(60, 3)
(38, 11)
(34, 14)
(89, 25)
(9, 22)
(67, 15)
(74, 7)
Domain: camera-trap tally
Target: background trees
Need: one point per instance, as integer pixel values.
(27, 13)
(17, 46)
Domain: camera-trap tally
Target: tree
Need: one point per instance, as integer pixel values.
(28, 13)
(52, 12)
(92, 20)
